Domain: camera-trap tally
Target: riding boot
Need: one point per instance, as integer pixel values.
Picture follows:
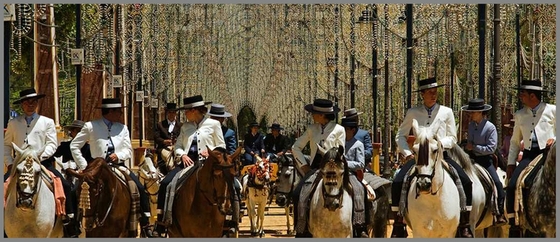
(71, 227)
(515, 231)
(399, 228)
(361, 231)
(146, 227)
(464, 229)
(159, 228)
(499, 217)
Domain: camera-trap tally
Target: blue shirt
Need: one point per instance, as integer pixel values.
(483, 136)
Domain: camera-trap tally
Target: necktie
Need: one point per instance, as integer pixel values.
(110, 146)
(29, 119)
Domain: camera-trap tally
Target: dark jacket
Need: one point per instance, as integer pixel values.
(230, 139)
(275, 145)
(161, 133)
(253, 143)
(64, 150)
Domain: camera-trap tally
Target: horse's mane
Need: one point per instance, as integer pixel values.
(94, 167)
(457, 154)
(333, 154)
(221, 150)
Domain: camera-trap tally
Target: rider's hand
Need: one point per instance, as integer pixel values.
(113, 158)
(167, 142)
(306, 169)
(204, 153)
(509, 170)
(187, 160)
(549, 142)
(469, 146)
(409, 157)
(279, 153)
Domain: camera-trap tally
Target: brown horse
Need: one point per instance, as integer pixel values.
(107, 202)
(200, 205)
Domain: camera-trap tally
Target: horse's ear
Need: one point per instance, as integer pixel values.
(236, 153)
(321, 150)
(341, 150)
(17, 149)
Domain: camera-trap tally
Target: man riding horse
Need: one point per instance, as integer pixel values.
(166, 134)
(109, 138)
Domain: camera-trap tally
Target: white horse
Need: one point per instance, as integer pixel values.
(257, 188)
(288, 179)
(481, 216)
(30, 207)
(433, 198)
(330, 213)
(150, 178)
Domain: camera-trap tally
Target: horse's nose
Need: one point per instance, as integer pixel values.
(280, 200)
(424, 184)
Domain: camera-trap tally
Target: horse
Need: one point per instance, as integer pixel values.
(433, 198)
(29, 204)
(150, 178)
(481, 216)
(330, 213)
(288, 178)
(199, 207)
(257, 189)
(539, 217)
(105, 202)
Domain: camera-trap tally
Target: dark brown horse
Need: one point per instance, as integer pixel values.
(110, 201)
(200, 205)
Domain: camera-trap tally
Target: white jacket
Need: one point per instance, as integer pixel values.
(41, 134)
(544, 124)
(333, 136)
(97, 133)
(209, 133)
(447, 133)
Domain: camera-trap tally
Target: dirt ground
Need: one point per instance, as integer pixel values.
(275, 225)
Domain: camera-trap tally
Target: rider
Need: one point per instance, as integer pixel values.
(482, 142)
(535, 125)
(253, 144)
(275, 143)
(354, 154)
(361, 135)
(166, 134)
(325, 132)
(196, 134)
(72, 226)
(218, 112)
(426, 115)
(109, 138)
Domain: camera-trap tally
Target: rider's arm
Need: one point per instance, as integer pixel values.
(450, 130)
(355, 157)
(298, 146)
(9, 137)
(51, 141)
(402, 134)
(77, 143)
(125, 152)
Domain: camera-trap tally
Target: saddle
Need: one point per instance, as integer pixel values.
(489, 189)
(309, 187)
(523, 186)
(174, 186)
(123, 175)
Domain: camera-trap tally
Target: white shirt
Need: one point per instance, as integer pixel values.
(171, 126)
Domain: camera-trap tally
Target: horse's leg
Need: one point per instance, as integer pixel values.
(288, 226)
(251, 209)
(260, 219)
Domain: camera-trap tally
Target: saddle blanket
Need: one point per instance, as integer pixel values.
(174, 186)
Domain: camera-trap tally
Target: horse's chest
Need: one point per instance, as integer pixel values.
(324, 223)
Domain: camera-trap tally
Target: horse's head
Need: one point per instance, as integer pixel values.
(288, 178)
(27, 173)
(334, 171)
(95, 191)
(221, 175)
(147, 169)
(261, 174)
(429, 150)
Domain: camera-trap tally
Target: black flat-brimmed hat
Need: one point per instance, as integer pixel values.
(171, 107)
(111, 103)
(532, 85)
(218, 110)
(476, 105)
(321, 106)
(351, 113)
(349, 122)
(428, 83)
(276, 126)
(253, 124)
(193, 102)
(28, 94)
(76, 124)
